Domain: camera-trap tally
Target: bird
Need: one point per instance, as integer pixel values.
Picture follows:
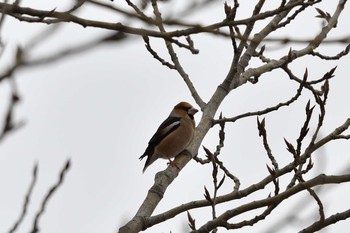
(173, 135)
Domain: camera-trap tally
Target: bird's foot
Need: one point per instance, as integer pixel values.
(173, 163)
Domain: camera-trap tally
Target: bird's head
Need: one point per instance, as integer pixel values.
(183, 108)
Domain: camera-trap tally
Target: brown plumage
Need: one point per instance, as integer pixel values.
(172, 136)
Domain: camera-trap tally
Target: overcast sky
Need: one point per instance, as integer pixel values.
(99, 108)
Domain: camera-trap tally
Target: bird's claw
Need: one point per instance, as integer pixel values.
(173, 163)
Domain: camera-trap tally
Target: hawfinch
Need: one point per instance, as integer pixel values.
(172, 136)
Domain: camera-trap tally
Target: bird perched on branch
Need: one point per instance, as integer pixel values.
(172, 136)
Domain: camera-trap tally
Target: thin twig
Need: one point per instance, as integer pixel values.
(26, 200)
(316, 226)
(47, 197)
(265, 111)
(175, 59)
(252, 188)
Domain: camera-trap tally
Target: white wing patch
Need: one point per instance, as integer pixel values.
(169, 127)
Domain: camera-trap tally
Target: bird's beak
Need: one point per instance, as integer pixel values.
(192, 111)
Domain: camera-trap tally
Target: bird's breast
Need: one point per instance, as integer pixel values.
(176, 142)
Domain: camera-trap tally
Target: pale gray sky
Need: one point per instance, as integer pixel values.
(99, 108)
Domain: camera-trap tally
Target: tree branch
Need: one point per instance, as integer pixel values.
(316, 226)
(47, 197)
(319, 180)
(26, 200)
(249, 190)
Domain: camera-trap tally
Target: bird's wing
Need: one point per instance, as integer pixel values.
(166, 128)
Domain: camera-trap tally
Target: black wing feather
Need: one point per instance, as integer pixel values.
(159, 135)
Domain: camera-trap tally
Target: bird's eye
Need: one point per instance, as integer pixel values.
(185, 108)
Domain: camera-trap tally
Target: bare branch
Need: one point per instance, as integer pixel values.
(51, 17)
(273, 64)
(263, 134)
(249, 190)
(26, 201)
(47, 197)
(265, 111)
(192, 221)
(335, 57)
(252, 221)
(175, 59)
(319, 180)
(155, 55)
(248, 39)
(316, 226)
(9, 124)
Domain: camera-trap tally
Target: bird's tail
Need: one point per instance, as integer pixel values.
(149, 161)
